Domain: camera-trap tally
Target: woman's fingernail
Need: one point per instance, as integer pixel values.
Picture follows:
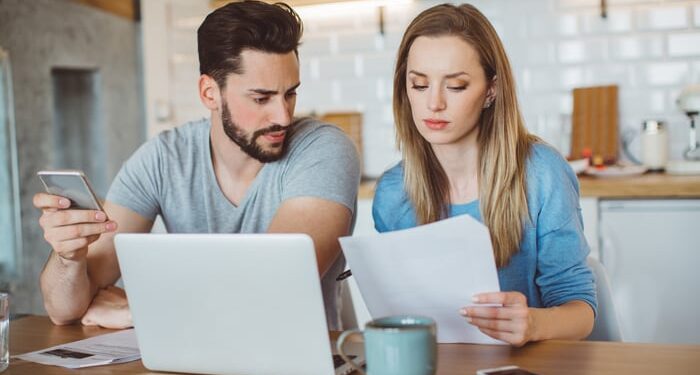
(469, 319)
(463, 312)
(64, 202)
(475, 299)
(111, 226)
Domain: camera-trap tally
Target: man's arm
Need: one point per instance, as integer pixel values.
(323, 220)
(83, 259)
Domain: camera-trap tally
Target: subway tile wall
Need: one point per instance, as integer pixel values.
(649, 48)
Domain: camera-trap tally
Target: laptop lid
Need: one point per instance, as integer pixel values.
(226, 303)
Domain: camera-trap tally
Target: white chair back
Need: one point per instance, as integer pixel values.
(607, 324)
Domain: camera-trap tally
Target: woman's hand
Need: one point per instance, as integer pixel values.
(513, 323)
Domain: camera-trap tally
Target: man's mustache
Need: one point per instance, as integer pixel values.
(271, 129)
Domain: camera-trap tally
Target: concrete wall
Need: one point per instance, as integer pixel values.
(41, 35)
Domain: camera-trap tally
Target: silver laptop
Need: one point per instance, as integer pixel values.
(248, 304)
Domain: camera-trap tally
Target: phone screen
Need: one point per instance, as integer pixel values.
(72, 185)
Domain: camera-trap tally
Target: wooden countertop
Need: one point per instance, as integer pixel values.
(648, 185)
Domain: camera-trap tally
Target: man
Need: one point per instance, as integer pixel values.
(251, 167)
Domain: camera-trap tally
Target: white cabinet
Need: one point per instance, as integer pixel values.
(651, 250)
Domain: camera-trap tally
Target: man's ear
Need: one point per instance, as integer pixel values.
(209, 92)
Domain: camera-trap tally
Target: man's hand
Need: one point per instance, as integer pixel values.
(69, 232)
(109, 309)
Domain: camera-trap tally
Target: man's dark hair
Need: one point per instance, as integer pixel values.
(237, 26)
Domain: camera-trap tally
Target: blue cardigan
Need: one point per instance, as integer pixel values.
(550, 267)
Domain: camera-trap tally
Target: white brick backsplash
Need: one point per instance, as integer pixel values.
(540, 104)
(532, 53)
(609, 74)
(567, 4)
(318, 45)
(568, 24)
(338, 20)
(635, 2)
(650, 48)
(578, 51)
(361, 91)
(642, 101)
(539, 79)
(397, 17)
(570, 78)
(341, 66)
(379, 65)
(380, 151)
(618, 20)
(669, 73)
(682, 45)
(696, 72)
(357, 42)
(636, 47)
(564, 25)
(566, 103)
(305, 70)
(314, 96)
(663, 18)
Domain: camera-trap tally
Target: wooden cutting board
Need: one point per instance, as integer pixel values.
(594, 123)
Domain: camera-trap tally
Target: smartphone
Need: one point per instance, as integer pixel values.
(505, 370)
(71, 184)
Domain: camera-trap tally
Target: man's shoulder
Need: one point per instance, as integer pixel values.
(323, 138)
(307, 128)
(181, 139)
(185, 132)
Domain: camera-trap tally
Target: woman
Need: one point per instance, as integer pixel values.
(466, 151)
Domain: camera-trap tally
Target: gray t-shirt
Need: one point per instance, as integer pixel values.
(172, 176)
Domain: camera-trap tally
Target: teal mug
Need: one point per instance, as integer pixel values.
(396, 345)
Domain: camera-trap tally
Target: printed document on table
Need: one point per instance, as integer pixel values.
(431, 270)
(118, 347)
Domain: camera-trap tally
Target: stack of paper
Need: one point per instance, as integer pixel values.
(118, 347)
(431, 270)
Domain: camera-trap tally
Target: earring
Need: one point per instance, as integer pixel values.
(487, 104)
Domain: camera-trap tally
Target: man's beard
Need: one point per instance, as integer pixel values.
(249, 144)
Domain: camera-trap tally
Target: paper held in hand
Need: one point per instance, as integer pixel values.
(111, 348)
(431, 270)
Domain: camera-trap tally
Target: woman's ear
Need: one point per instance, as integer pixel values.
(209, 92)
(491, 92)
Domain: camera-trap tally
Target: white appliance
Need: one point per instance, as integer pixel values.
(651, 249)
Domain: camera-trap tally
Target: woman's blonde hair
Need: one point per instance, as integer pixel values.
(504, 142)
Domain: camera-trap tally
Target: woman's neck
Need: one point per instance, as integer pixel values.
(460, 161)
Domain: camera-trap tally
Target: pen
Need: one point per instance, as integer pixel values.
(344, 275)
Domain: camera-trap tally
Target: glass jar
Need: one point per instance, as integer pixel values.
(654, 145)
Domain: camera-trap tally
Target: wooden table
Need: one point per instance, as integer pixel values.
(553, 357)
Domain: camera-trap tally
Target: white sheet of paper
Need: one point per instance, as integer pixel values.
(110, 348)
(431, 270)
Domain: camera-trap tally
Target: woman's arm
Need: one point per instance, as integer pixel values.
(518, 324)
